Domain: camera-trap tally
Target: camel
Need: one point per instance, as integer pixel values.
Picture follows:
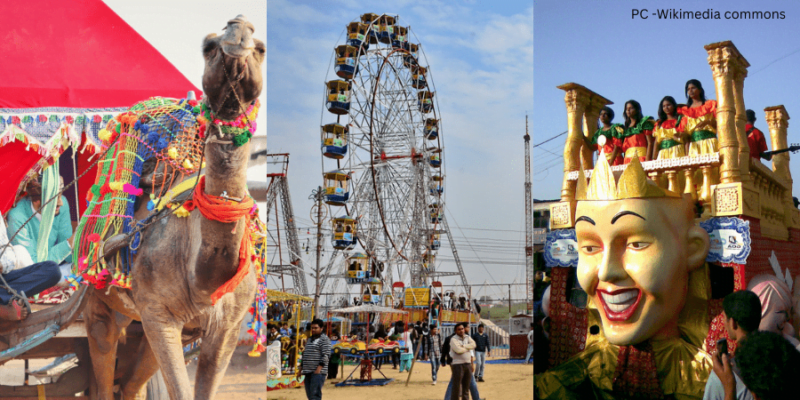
(182, 261)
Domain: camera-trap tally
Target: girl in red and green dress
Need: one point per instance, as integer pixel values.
(637, 138)
(667, 135)
(699, 120)
(610, 132)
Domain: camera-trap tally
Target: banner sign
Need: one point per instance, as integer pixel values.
(417, 297)
(561, 249)
(730, 239)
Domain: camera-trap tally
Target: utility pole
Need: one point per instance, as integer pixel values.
(528, 225)
(318, 195)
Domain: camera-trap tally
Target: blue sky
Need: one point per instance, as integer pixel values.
(598, 45)
(481, 62)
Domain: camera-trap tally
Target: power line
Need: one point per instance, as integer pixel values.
(541, 143)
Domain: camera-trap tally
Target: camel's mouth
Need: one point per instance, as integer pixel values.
(238, 38)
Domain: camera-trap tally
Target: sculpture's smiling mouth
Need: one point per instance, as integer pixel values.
(620, 305)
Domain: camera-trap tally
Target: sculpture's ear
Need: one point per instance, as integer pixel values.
(698, 244)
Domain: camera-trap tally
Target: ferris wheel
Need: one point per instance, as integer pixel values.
(382, 156)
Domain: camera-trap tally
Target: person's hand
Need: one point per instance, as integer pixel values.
(71, 240)
(318, 370)
(471, 369)
(722, 367)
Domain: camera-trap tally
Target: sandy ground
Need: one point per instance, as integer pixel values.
(246, 377)
(503, 382)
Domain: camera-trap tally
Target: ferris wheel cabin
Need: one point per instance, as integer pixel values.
(344, 233)
(338, 97)
(346, 61)
(431, 128)
(435, 159)
(436, 213)
(336, 192)
(435, 243)
(356, 35)
(372, 32)
(386, 28)
(357, 268)
(334, 141)
(437, 185)
(400, 37)
(418, 80)
(410, 59)
(371, 291)
(425, 101)
(428, 260)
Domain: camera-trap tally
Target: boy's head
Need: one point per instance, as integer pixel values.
(769, 366)
(742, 313)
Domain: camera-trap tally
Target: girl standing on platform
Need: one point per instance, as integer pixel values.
(667, 133)
(637, 138)
(610, 132)
(699, 120)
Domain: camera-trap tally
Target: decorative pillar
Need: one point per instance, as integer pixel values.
(778, 121)
(722, 59)
(741, 118)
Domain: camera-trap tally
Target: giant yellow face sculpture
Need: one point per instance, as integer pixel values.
(638, 244)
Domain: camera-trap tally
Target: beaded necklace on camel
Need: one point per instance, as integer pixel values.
(241, 129)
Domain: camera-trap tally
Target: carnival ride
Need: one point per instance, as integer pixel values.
(748, 213)
(383, 165)
(284, 360)
(368, 350)
(278, 190)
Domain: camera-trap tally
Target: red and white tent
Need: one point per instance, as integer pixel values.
(67, 67)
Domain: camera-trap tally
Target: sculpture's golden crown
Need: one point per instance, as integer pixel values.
(633, 183)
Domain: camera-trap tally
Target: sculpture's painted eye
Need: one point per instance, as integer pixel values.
(638, 245)
(591, 249)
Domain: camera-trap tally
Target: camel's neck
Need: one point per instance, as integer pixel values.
(226, 168)
(226, 172)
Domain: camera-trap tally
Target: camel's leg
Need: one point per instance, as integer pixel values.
(103, 328)
(164, 336)
(216, 350)
(146, 366)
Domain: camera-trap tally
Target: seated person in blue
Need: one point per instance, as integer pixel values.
(22, 275)
(59, 243)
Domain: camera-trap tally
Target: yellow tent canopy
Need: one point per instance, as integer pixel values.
(276, 295)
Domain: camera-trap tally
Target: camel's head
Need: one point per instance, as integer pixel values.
(232, 78)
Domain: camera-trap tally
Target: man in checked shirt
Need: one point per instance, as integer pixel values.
(435, 351)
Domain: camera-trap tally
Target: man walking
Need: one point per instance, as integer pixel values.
(529, 355)
(435, 351)
(461, 366)
(482, 348)
(315, 361)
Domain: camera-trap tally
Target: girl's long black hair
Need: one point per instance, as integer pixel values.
(662, 116)
(699, 86)
(638, 108)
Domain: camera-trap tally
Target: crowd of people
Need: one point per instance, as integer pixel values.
(36, 249)
(681, 130)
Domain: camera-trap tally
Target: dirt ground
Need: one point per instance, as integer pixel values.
(245, 379)
(503, 382)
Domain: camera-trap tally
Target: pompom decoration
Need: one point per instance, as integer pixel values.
(162, 144)
(188, 164)
(115, 186)
(172, 153)
(104, 135)
(130, 189)
(94, 238)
